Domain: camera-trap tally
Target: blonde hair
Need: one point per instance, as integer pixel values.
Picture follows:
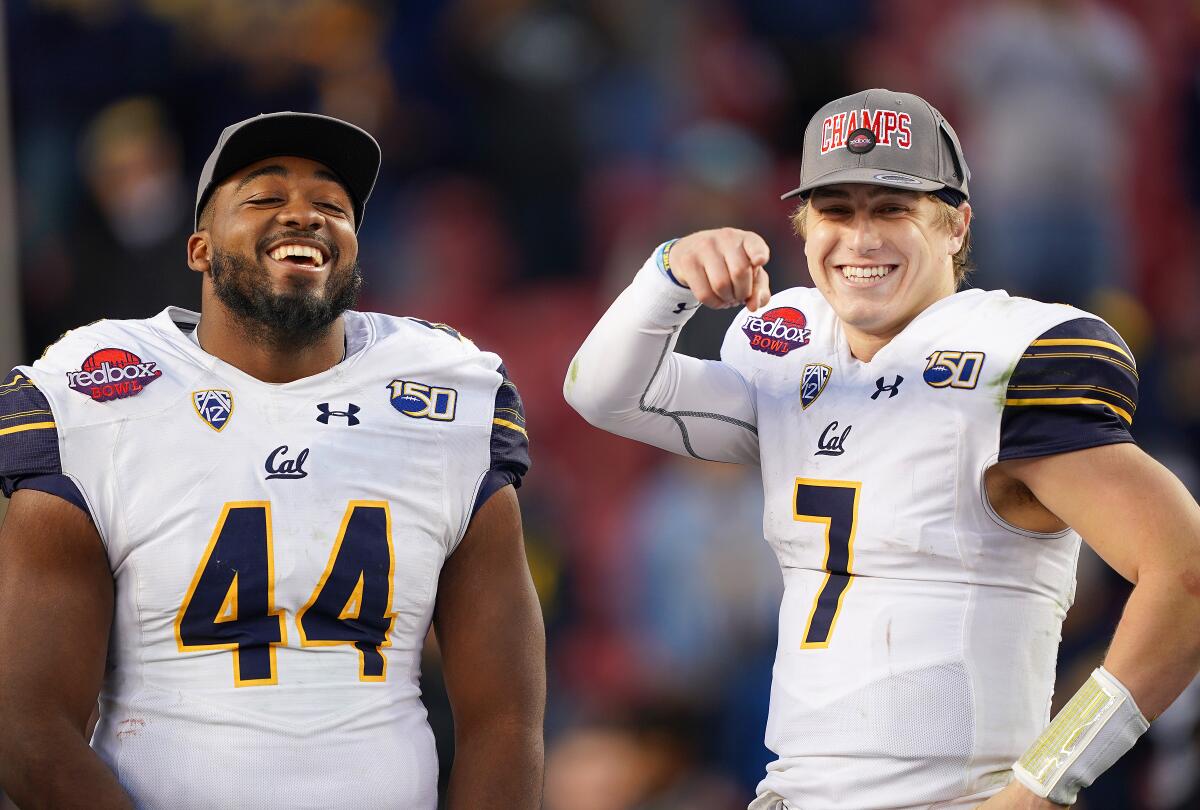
(947, 215)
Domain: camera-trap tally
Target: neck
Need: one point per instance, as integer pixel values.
(250, 348)
(864, 345)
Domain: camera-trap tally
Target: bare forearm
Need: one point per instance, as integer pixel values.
(55, 768)
(498, 765)
(1155, 652)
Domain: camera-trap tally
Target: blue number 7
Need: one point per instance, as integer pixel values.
(833, 504)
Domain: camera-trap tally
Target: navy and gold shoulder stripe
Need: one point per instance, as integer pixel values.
(23, 408)
(509, 444)
(1075, 386)
(29, 457)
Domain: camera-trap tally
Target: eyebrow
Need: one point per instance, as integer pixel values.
(275, 170)
(839, 194)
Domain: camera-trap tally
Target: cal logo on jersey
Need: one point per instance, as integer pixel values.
(812, 383)
(954, 369)
(110, 374)
(777, 331)
(421, 401)
(214, 406)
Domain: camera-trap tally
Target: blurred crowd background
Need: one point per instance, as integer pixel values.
(535, 153)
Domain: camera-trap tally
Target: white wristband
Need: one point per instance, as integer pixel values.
(1096, 727)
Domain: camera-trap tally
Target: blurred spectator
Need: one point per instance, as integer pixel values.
(1049, 91)
(703, 588)
(644, 759)
(126, 241)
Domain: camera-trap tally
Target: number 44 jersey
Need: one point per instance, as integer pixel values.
(276, 548)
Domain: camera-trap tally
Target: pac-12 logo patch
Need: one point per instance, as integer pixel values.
(812, 383)
(421, 401)
(954, 369)
(778, 331)
(214, 406)
(110, 374)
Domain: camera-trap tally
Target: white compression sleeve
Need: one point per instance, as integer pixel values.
(1098, 725)
(627, 380)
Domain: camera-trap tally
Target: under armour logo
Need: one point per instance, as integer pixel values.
(892, 389)
(279, 467)
(347, 414)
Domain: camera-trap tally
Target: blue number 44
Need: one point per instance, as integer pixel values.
(230, 603)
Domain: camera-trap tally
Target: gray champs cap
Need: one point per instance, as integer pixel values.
(348, 151)
(883, 138)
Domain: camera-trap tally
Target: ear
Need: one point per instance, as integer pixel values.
(958, 234)
(199, 249)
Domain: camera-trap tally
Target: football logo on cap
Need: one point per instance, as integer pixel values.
(861, 141)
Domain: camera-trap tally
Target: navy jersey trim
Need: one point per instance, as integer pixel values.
(1074, 387)
(509, 443)
(28, 433)
(56, 484)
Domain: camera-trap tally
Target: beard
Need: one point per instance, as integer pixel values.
(294, 319)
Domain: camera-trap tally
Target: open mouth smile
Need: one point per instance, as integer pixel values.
(305, 254)
(865, 275)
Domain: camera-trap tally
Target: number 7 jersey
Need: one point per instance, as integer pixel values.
(276, 548)
(918, 631)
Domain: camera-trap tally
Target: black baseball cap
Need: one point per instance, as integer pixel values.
(348, 151)
(884, 138)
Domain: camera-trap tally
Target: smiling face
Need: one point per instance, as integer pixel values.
(880, 256)
(277, 242)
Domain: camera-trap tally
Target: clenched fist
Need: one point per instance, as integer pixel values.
(723, 267)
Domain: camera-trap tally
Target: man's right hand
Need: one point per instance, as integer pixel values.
(723, 267)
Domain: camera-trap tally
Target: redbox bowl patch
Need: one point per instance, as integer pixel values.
(110, 374)
(777, 331)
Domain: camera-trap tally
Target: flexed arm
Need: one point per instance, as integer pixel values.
(626, 377)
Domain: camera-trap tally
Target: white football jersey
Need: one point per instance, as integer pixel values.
(276, 550)
(918, 632)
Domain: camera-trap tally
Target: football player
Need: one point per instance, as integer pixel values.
(931, 457)
(237, 526)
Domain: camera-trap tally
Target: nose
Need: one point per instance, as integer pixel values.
(864, 236)
(300, 214)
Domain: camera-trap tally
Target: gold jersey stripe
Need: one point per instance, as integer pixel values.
(31, 426)
(24, 413)
(510, 426)
(12, 389)
(1101, 389)
(1112, 360)
(1121, 412)
(513, 411)
(1082, 342)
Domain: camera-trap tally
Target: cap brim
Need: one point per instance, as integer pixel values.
(870, 177)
